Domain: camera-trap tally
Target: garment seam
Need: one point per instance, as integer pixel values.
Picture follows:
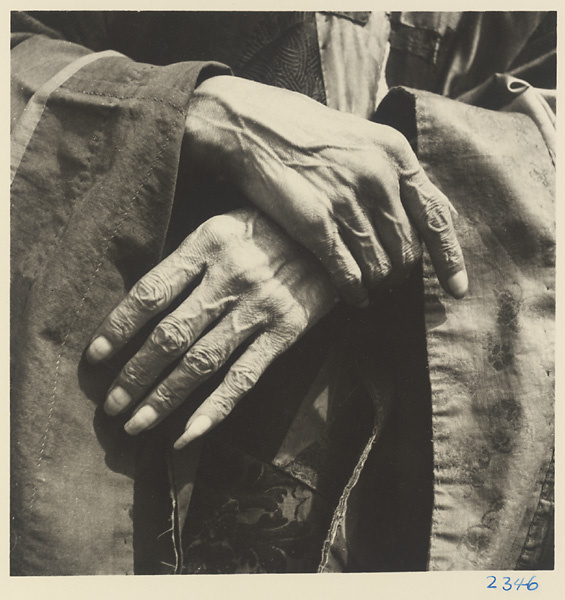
(106, 242)
(134, 97)
(536, 514)
(68, 214)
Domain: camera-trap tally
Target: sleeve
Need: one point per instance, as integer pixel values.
(91, 125)
(95, 145)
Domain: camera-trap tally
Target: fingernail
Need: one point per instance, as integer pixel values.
(458, 284)
(143, 418)
(198, 427)
(117, 400)
(99, 349)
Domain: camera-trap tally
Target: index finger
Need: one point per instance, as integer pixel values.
(430, 213)
(152, 294)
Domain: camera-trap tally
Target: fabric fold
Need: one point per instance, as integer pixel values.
(86, 223)
(492, 402)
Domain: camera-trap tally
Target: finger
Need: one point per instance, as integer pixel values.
(395, 231)
(202, 361)
(361, 238)
(241, 378)
(170, 339)
(328, 246)
(149, 296)
(430, 212)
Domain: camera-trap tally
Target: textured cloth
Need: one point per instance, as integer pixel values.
(329, 463)
(87, 219)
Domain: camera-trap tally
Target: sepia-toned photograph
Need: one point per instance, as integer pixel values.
(282, 294)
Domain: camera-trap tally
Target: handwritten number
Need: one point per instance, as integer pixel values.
(530, 585)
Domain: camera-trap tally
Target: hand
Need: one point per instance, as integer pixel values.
(257, 284)
(349, 190)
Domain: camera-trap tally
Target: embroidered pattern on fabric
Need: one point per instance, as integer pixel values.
(284, 52)
(249, 517)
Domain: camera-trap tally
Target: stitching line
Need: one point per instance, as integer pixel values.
(105, 95)
(70, 211)
(79, 310)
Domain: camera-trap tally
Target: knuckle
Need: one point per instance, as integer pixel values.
(376, 267)
(223, 405)
(348, 278)
(201, 362)
(410, 255)
(383, 266)
(151, 293)
(297, 320)
(350, 286)
(322, 235)
(133, 375)
(216, 224)
(320, 223)
(219, 229)
(451, 251)
(437, 216)
(120, 324)
(165, 399)
(396, 141)
(379, 270)
(240, 379)
(170, 337)
(375, 278)
(273, 301)
(289, 327)
(250, 274)
(397, 146)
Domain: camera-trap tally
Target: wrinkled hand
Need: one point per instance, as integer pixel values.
(256, 284)
(349, 190)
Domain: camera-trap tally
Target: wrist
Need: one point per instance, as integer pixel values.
(209, 139)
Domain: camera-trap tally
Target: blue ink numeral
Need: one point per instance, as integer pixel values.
(530, 585)
(519, 583)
